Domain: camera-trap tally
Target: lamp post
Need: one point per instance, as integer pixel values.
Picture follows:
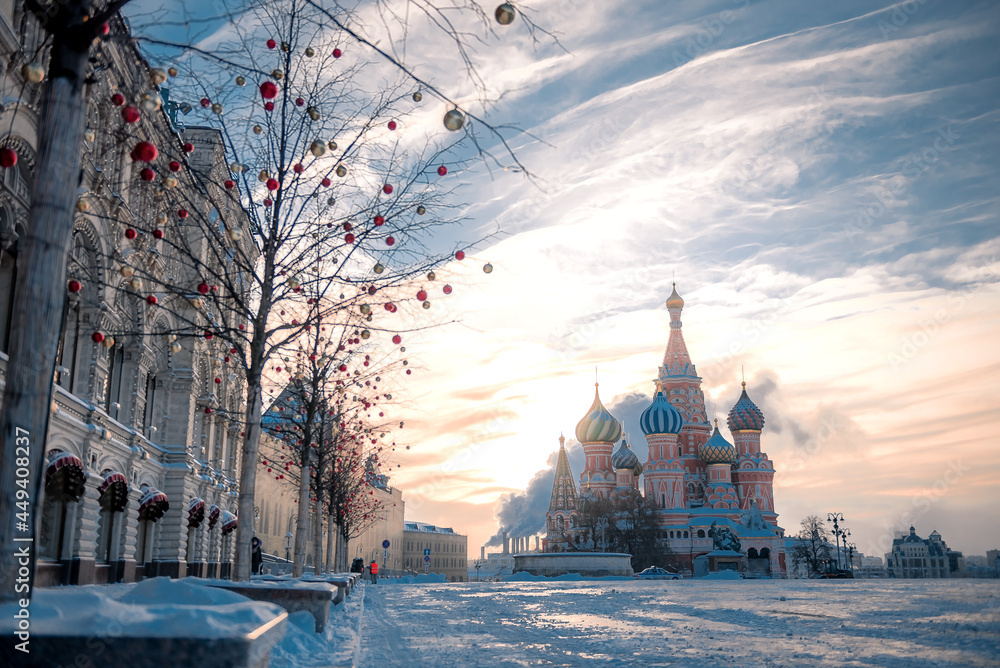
(836, 518)
(602, 524)
(478, 563)
(288, 546)
(850, 554)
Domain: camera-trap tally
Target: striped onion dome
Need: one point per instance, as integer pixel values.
(717, 450)
(598, 425)
(661, 417)
(745, 416)
(624, 458)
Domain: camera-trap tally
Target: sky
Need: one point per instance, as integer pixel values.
(820, 180)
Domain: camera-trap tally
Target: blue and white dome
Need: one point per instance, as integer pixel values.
(717, 450)
(598, 425)
(624, 458)
(745, 416)
(661, 417)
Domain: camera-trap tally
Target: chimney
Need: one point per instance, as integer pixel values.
(482, 553)
(506, 543)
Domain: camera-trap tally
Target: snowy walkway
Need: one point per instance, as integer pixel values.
(686, 623)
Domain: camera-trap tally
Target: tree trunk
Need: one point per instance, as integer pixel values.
(318, 543)
(302, 523)
(248, 478)
(331, 541)
(38, 300)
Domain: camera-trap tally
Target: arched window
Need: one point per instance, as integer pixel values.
(685, 534)
(765, 553)
(701, 533)
(752, 553)
(64, 485)
(113, 499)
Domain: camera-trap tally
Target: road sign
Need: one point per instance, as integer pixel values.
(427, 568)
(427, 559)
(385, 544)
(427, 551)
(385, 556)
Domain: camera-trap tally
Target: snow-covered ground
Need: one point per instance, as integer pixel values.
(659, 623)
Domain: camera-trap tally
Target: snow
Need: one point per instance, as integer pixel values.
(568, 577)
(723, 575)
(159, 607)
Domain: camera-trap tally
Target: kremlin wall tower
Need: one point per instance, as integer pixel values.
(693, 474)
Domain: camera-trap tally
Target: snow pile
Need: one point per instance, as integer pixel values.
(159, 607)
(568, 577)
(723, 575)
(337, 645)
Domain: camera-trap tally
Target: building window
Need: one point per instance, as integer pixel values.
(701, 533)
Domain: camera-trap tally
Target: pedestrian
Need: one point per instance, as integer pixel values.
(256, 557)
(373, 569)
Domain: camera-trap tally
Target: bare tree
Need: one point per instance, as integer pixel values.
(812, 545)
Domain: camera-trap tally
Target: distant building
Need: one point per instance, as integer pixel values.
(915, 557)
(448, 551)
(388, 526)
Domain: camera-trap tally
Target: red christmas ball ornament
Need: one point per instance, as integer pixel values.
(392, 125)
(151, 300)
(269, 106)
(337, 53)
(299, 102)
(206, 103)
(347, 227)
(326, 183)
(182, 213)
(218, 381)
(389, 306)
(208, 410)
(147, 174)
(422, 295)
(233, 350)
(157, 234)
(188, 147)
(387, 189)
(226, 358)
(407, 373)
(389, 241)
(268, 90)
(118, 99)
(272, 184)
(144, 151)
(268, 202)
(349, 238)
(130, 114)
(442, 170)
(447, 289)
(105, 29)
(230, 184)
(74, 285)
(271, 44)
(297, 168)
(379, 221)
(209, 335)
(130, 233)
(343, 367)
(174, 166)
(460, 255)
(96, 337)
(397, 339)
(8, 157)
(277, 369)
(203, 288)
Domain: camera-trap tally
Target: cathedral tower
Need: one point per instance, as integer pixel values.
(754, 475)
(598, 431)
(561, 516)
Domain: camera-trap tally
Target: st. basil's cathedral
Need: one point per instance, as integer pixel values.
(696, 478)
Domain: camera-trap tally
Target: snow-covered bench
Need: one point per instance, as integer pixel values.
(315, 597)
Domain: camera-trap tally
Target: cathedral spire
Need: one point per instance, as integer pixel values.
(563, 487)
(676, 360)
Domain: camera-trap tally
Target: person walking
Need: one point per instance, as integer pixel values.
(373, 570)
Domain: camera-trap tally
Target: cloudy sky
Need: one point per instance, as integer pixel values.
(820, 179)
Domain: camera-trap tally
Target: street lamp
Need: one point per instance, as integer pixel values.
(288, 546)
(851, 547)
(836, 518)
(478, 563)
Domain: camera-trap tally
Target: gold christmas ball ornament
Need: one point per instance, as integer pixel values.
(417, 96)
(431, 276)
(135, 283)
(108, 342)
(235, 234)
(89, 135)
(332, 145)
(331, 201)
(175, 347)
(172, 71)
(263, 176)
(157, 76)
(170, 181)
(257, 129)
(126, 271)
(379, 268)
(317, 148)
(285, 47)
(505, 14)
(150, 102)
(487, 268)
(196, 302)
(277, 75)
(454, 120)
(366, 309)
(341, 171)
(310, 52)
(421, 210)
(216, 108)
(313, 113)
(33, 72)
(427, 304)
(170, 338)
(365, 334)
(235, 167)
(161, 218)
(240, 81)
(82, 205)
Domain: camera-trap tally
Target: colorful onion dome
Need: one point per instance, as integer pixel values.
(624, 458)
(745, 415)
(661, 417)
(674, 300)
(717, 450)
(598, 425)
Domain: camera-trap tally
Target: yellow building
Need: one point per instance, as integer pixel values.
(389, 526)
(448, 551)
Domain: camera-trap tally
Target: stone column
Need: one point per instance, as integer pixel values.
(81, 520)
